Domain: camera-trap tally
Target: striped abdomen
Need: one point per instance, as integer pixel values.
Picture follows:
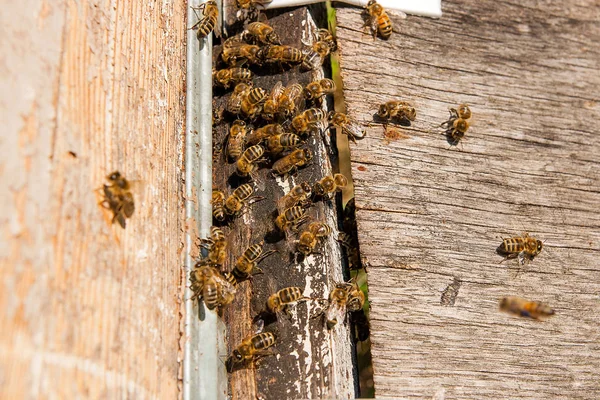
(384, 25)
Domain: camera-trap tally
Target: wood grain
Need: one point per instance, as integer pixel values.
(89, 310)
(430, 215)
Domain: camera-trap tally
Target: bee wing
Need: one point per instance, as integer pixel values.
(276, 92)
(395, 14)
(334, 312)
(355, 130)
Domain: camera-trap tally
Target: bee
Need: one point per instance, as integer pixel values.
(349, 126)
(401, 110)
(284, 141)
(236, 53)
(236, 201)
(218, 203)
(346, 296)
(216, 245)
(280, 54)
(271, 105)
(310, 237)
(458, 123)
(234, 75)
(236, 139)
(250, 4)
(118, 198)
(525, 308)
(298, 195)
(261, 134)
(291, 162)
(234, 103)
(290, 100)
(290, 219)
(378, 20)
(209, 284)
(523, 247)
(248, 162)
(247, 263)
(251, 348)
(252, 102)
(260, 33)
(317, 89)
(308, 120)
(206, 24)
(319, 50)
(280, 301)
(329, 185)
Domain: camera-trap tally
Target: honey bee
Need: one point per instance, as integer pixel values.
(229, 76)
(329, 185)
(522, 247)
(251, 4)
(290, 219)
(260, 33)
(378, 20)
(248, 162)
(291, 162)
(206, 24)
(280, 301)
(346, 296)
(458, 123)
(251, 348)
(401, 110)
(271, 105)
(216, 245)
(236, 201)
(298, 195)
(323, 45)
(350, 127)
(247, 263)
(234, 103)
(290, 100)
(284, 141)
(118, 198)
(281, 54)
(209, 284)
(261, 134)
(310, 237)
(236, 53)
(308, 121)
(317, 89)
(236, 139)
(252, 102)
(525, 308)
(218, 203)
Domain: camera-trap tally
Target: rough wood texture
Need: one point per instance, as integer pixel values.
(310, 362)
(430, 216)
(87, 309)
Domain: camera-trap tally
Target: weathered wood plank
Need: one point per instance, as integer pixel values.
(89, 310)
(429, 215)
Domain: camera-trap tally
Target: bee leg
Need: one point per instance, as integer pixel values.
(266, 254)
(257, 271)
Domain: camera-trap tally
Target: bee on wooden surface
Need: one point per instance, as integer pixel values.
(280, 301)
(525, 308)
(236, 139)
(247, 263)
(264, 133)
(260, 33)
(251, 4)
(378, 20)
(290, 219)
(251, 348)
(522, 247)
(236, 201)
(284, 141)
(280, 54)
(290, 100)
(271, 105)
(216, 245)
(218, 204)
(249, 160)
(208, 21)
(319, 88)
(346, 296)
(231, 76)
(298, 195)
(118, 198)
(252, 102)
(308, 121)
(350, 127)
(323, 45)
(236, 53)
(327, 186)
(209, 284)
(310, 237)
(458, 123)
(234, 103)
(401, 110)
(291, 162)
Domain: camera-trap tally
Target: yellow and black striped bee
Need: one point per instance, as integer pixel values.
(290, 219)
(231, 76)
(378, 20)
(401, 110)
(308, 121)
(252, 347)
(236, 139)
(458, 123)
(291, 162)
(247, 263)
(208, 21)
(249, 160)
(259, 135)
(237, 53)
(330, 184)
(522, 247)
(346, 296)
(218, 204)
(216, 245)
(118, 198)
(525, 308)
(298, 195)
(209, 284)
(271, 106)
(280, 301)
(290, 100)
(282, 142)
(309, 239)
(350, 127)
(235, 202)
(252, 102)
(260, 33)
(319, 88)
(280, 54)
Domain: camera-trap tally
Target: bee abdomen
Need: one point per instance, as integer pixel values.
(263, 340)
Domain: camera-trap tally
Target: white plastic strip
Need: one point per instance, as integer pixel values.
(428, 8)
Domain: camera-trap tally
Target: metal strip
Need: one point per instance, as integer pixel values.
(428, 8)
(204, 375)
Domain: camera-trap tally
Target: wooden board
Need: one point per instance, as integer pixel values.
(430, 216)
(87, 309)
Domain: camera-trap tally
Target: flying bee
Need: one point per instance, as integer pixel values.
(298, 195)
(264, 133)
(260, 33)
(251, 348)
(290, 100)
(284, 141)
(522, 247)
(209, 284)
(252, 102)
(216, 245)
(310, 237)
(236, 201)
(346, 296)
(236, 53)
(290, 219)
(525, 308)
(248, 162)
(329, 185)
(218, 203)
(458, 123)
(281, 54)
(308, 121)
(317, 89)
(118, 198)
(378, 20)
(234, 103)
(236, 139)
(280, 301)
(210, 15)
(291, 162)
(247, 263)
(271, 105)
(401, 110)
(231, 76)
(350, 127)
